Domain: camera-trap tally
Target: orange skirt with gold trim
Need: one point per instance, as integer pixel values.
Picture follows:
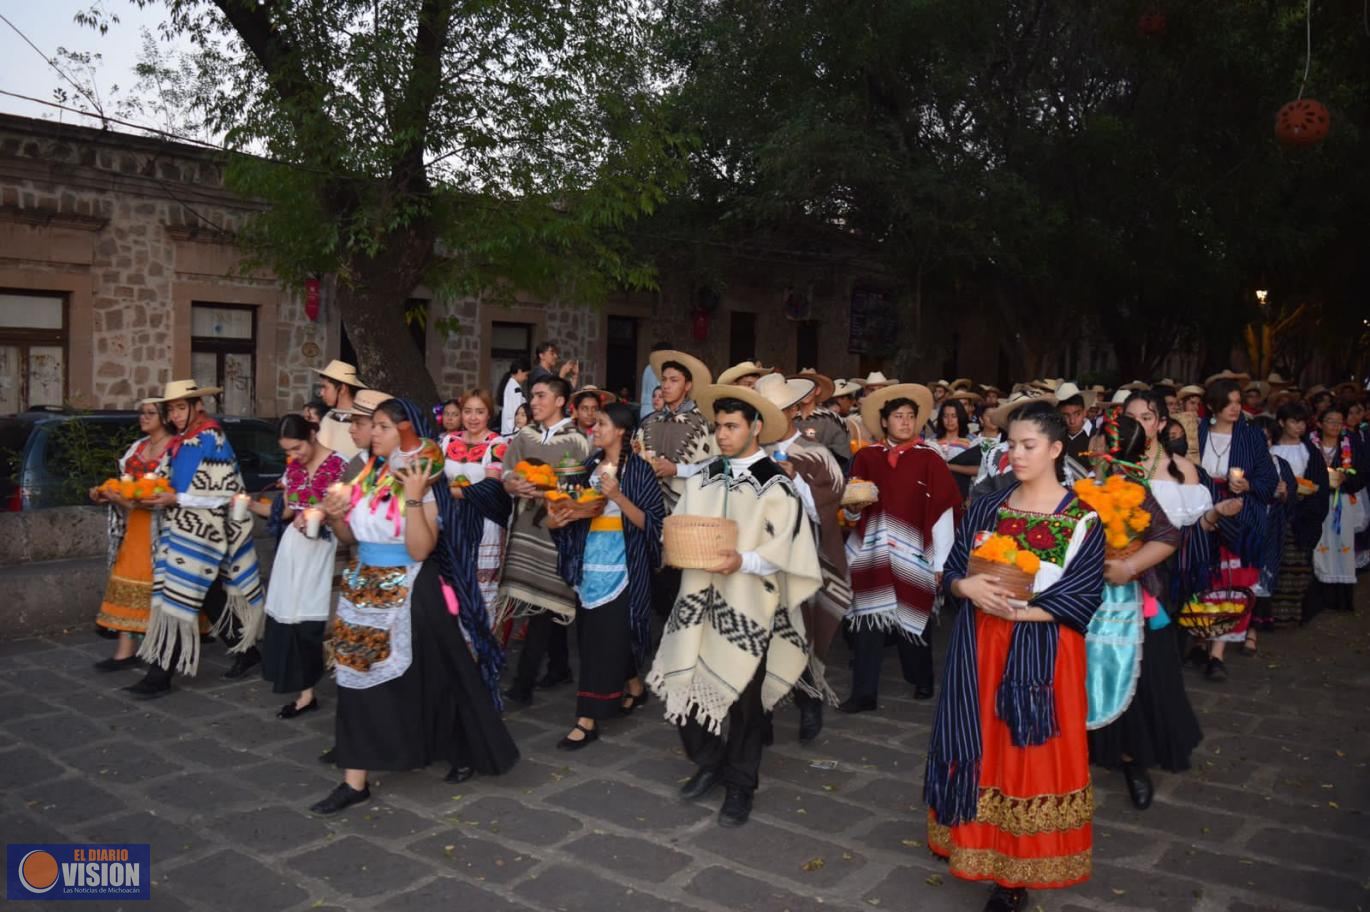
(1033, 824)
(128, 594)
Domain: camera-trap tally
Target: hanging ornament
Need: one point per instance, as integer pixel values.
(699, 326)
(1303, 122)
(1151, 24)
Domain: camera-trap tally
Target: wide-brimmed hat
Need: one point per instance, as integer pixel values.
(774, 424)
(845, 388)
(1276, 381)
(966, 395)
(1259, 386)
(942, 383)
(745, 369)
(919, 394)
(785, 392)
(1167, 381)
(999, 414)
(875, 380)
(1192, 389)
(988, 388)
(823, 382)
(604, 396)
(342, 372)
(1134, 386)
(700, 375)
(177, 390)
(1228, 375)
(1315, 390)
(961, 383)
(365, 402)
(1120, 396)
(1064, 391)
(1348, 389)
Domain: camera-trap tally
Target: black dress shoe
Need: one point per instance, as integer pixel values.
(857, 705)
(344, 796)
(554, 679)
(1139, 786)
(1197, 656)
(105, 633)
(290, 710)
(459, 774)
(518, 696)
(149, 690)
(574, 744)
(810, 721)
(244, 663)
(922, 693)
(118, 664)
(1004, 899)
(699, 784)
(737, 807)
(1216, 671)
(635, 701)
(329, 756)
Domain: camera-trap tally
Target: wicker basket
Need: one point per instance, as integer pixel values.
(696, 542)
(860, 494)
(1215, 613)
(1018, 582)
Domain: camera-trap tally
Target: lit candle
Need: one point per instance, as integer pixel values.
(240, 502)
(1235, 474)
(313, 518)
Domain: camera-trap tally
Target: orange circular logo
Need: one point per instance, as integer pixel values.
(38, 871)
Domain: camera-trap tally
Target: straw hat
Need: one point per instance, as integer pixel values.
(961, 383)
(785, 393)
(1348, 390)
(825, 384)
(1276, 381)
(942, 383)
(875, 380)
(1316, 390)
(745, 369)
(1065, 391)
(1119, 396)
(999, 414)
(342, 372)
(920, 395)
(604, 396)
(1167, 381)
(700, 375)
(1134, 386)
(186, 389)
(846, 388)
(1185, 392)
(1228, 375)
(365, 402)
(966, 395)
(774, 424)
(988, 388)
(1259, 386)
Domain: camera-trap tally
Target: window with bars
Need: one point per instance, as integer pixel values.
(33, 350)
(223, 353)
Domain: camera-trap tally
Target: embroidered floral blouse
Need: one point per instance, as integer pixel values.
(300, 486)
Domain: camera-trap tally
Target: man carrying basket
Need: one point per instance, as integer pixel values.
(735, 643)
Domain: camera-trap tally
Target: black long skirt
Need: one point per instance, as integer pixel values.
(1296, 572)
(439, 709)
(606, 658)
(1159, 728)
(292, 655)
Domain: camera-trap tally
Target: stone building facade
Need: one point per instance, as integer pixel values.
(118, 272)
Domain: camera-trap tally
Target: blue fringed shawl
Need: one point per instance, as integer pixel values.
(1026, 700)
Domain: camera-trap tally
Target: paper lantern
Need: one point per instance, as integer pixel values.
(1151, 24)
(311, 299)
(1302, 123)
(699, 327)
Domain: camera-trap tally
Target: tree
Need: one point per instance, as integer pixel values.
(476, 147)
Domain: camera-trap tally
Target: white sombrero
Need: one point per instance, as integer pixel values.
(342, 372)
(774, 424)
(177, 390)
(919, 394)
(700, 375)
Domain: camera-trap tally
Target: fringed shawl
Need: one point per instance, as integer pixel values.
(1244, 534)
(639, 484)
(1026, 701)
(196, 546)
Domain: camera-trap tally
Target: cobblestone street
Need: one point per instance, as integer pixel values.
(1275, 815)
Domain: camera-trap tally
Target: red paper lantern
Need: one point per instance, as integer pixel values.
(1151, 24)
(311, 299)
(1304, 122)
(699, 328)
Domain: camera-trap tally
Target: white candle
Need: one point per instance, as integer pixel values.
(1235, 474)
(240, 502)
(340, 489)
(313, 519)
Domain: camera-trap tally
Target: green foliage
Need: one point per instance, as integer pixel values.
(82, 454)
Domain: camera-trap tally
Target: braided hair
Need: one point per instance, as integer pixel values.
(460, 524)
(625, 419)
(1156, 402)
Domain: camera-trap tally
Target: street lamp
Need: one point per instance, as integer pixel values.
(1261, 295)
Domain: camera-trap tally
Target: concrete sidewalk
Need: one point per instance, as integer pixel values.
(1275, 815)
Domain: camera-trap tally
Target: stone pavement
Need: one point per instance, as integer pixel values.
(1275, 816)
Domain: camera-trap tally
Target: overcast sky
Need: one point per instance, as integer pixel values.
(49, 24)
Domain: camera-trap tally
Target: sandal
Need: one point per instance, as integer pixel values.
(1249, 645)
(572, 744)
(635, 700)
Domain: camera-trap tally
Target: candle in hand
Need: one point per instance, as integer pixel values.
(240, 502)
(313, 518)
(1235, 474)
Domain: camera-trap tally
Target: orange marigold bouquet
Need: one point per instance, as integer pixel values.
(1000, 558)
(1001, 549)
(1118, 501)
(130, 488)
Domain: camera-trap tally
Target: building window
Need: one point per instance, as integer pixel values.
(33, 350)
(509, 342)
(621, 370)
(741, 337)
(223, 353)
(806, 345)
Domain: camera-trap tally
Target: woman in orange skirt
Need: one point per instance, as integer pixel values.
(1007, 780)
(128, 594)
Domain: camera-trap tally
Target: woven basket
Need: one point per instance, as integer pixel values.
(696, 542)
(1215, 613)
(1018, 582)
(860, 494)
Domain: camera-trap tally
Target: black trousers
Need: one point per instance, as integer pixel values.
(868, 648)
(604, 642)
(545, 637)
(665, 588)
(736, 756)
(213, 607)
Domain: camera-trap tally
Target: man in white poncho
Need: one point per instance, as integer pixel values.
(735, 644)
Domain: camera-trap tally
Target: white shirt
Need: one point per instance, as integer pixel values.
(800, 485)
(1217, 454)
(513, 398)
(1296, 454)
(752, 562)
(549, 432)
